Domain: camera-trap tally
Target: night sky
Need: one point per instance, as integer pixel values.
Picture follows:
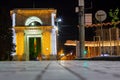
(66, 11)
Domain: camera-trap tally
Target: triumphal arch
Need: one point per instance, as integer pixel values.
(35, 33)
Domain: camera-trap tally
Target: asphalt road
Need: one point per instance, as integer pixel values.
(60, 70)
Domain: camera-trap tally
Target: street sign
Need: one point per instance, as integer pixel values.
(100, 15)
(81, 3)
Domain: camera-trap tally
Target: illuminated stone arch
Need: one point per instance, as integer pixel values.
(33, 21)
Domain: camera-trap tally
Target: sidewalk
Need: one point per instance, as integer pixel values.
(60, 70)
(105, 58)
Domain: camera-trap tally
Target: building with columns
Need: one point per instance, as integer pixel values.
(35, 33)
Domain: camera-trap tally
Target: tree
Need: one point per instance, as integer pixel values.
(6, 44)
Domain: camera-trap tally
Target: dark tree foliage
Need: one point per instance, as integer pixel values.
(6, 44)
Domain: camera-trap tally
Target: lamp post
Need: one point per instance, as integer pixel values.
(80, 11)
(58, 20)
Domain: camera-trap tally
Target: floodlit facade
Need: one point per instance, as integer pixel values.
(34, 33)
(108, 46)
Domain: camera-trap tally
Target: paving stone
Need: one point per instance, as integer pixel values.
(60, 70)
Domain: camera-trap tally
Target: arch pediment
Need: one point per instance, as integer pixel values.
(33, 21)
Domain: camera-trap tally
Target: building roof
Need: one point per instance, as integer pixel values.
(93, 43)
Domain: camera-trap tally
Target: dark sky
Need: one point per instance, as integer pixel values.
(65, 7)
(66, 10)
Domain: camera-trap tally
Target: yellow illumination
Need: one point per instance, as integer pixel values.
(94, 47)
(94, 43)
(23, 32)
(46, 44)
(19, 44)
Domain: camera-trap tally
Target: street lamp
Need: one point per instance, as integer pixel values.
(58, 20)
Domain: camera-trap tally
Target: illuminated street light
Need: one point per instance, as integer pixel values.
(58, 20)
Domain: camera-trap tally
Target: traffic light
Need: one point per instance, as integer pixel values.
(85, 51)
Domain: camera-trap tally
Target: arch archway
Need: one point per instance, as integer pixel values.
(33, 21)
